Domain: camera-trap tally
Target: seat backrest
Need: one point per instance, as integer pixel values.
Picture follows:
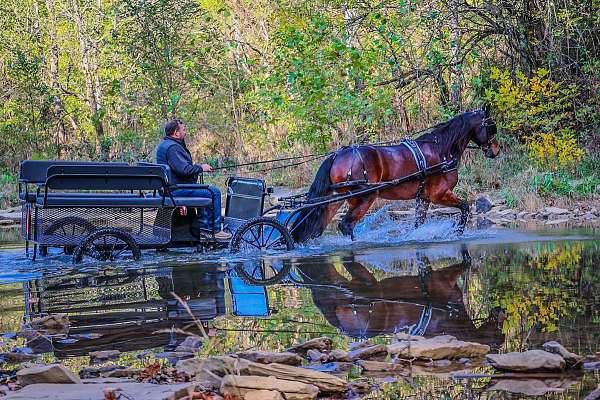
(166, 168)
(35, 171)
(106, 177)
(245, 198)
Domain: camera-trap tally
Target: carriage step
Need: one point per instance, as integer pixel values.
(347, 184)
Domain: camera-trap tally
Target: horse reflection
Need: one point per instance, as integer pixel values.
(428, 304)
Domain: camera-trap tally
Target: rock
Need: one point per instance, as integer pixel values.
(53, 323)
(331, 367)
(360, 345)
(53, 373)
(94, 372)
(316, 355)
(438, 348)
(440, 363)
(325, 382)
(323, 344)
(107, 380)
(145, 391)
(464, 360)
(233, 385)
(377, 352)
(175, 356)
(97, 357)
(338, 355)
(484, 223)
(445, 211)
(555, 211)
(530, 387)
(532, 360)
(211, 370)
(191, 344)
(591, 365)
(263, 395)
(360, 387)
(16, 357)
(594, 394)
(378, 366)
(571, 359)
(483, 205)
(123, 373)
(268, 357)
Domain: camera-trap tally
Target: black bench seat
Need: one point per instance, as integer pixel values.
(117, 200)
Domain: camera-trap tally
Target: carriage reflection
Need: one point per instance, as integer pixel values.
(135, 309)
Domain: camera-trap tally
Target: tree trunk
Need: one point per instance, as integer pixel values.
(456, 75)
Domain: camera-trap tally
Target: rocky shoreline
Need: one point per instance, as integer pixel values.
(310, 370)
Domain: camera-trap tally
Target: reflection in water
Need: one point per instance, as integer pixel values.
(512, 297)
(429, 303)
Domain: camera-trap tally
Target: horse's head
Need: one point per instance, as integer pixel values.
(485, 134)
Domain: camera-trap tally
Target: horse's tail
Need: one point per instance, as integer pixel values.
(312, 222)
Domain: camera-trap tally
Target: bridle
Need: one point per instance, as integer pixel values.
(486, 123)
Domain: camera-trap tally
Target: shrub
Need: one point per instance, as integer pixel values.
(539, 112)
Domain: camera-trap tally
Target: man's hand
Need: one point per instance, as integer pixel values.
(206, 168)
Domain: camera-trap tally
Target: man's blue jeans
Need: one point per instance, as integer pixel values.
(208, 218)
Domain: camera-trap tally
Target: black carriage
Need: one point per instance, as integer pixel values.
(105, 211)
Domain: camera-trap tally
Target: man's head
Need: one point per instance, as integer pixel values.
(176, 129)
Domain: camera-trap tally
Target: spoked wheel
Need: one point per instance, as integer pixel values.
(68, 227)
(262, 273)
(108, 244)
(261, 234)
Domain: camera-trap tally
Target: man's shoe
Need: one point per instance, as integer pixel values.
(222, 236)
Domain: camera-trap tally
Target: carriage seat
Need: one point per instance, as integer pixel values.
(90, 200)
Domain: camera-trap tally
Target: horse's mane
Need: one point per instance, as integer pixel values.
(448, 135)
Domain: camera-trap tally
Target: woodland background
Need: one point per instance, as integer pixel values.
(256, 79)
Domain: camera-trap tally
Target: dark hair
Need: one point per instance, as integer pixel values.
(171, 126)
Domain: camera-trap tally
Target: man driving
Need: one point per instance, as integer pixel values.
(172, 151)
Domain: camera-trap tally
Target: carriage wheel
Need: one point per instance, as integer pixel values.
(261, 234)
(108, 244)
(261, 273)
(68, 227)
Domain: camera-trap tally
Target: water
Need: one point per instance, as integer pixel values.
(510, 289)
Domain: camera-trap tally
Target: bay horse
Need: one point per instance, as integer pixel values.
(371, 164)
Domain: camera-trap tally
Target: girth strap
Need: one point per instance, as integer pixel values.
(418, 156)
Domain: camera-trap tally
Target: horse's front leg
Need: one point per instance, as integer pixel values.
(421, 211)
(358, 207)
(451, 200)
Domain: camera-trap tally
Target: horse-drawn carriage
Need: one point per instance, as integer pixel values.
(105, 210)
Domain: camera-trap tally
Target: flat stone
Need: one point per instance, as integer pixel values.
(234, 385)
(94, 372)
(331, 367)
(210, 370)
(191, 344)
(263, 395)
(323, 344)
(17, 357)
(378, 352)
(104, 355)
(557, 221)
(572, 359)
(378, 366)
(325, 382)
(591, 365)
(268, 357)
(440, 363)
(53, 373)
(555, 211)
(594, 394)
(359, 345)
(338, 355)
(445, 210)
(316, 356)
(437, 348)
(107, 380)
(123, 373)
(532, 360)
(145, 391)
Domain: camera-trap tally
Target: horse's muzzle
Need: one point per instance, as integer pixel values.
(492, 150)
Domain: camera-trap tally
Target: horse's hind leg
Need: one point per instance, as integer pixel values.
(358, 208)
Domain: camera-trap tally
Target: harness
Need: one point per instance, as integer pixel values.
(420, 161)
